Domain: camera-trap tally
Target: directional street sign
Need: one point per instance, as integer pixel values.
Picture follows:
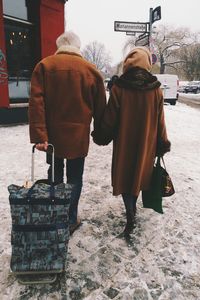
(131, 26)
(156, 14)
(142, 41)
(142, 35)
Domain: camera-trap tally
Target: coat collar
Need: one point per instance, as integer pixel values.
(68, 49)
(139, 79)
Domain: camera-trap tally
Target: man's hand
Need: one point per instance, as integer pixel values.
(42, 146)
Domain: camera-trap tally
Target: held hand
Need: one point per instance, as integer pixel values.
(42, 146)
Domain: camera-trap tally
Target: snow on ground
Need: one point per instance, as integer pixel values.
(161, 261)
(190, 96)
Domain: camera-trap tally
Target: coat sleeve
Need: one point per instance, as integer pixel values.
(163, 144)
(98, 102)
(36, 111)
(109, 123)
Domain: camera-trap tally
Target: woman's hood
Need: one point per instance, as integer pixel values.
(136, 70)
(138, 57)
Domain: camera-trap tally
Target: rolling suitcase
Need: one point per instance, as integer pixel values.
(40, 228)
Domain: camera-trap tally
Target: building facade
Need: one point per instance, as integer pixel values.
(28, 30)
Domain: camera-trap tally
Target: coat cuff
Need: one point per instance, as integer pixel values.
(163, 147)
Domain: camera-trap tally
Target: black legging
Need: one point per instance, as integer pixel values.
(74, 173)
(130, 202)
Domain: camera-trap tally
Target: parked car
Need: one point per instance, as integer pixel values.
(169, 85)
(193, 87)
(182, 85)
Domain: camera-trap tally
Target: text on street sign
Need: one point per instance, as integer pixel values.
(130, 26)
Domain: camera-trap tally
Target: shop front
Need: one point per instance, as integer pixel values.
(28, 30)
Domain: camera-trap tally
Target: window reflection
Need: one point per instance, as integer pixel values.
(20, 58)
(15, 8)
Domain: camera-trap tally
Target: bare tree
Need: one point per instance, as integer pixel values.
(191, 57)
(96, 53)
(166, 42)
(130, 43)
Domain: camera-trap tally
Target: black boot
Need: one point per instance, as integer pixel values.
(130, 206)
(131, 222)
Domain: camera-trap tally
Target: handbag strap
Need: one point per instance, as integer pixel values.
(158, 161)
(163, 162)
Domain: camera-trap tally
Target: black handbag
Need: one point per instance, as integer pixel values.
(160, 186)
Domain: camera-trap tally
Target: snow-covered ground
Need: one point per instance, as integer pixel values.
(161, 261)
(190, 96)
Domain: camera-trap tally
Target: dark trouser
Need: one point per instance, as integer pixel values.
(130, 203)
(74, 174)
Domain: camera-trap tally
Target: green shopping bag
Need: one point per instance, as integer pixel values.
(153, 197)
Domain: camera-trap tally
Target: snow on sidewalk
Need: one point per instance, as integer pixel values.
(160, 261)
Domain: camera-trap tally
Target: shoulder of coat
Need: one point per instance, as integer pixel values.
(160, 92)
(93, 71)
(47, 59)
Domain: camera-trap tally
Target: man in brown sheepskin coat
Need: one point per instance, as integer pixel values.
(66, 93)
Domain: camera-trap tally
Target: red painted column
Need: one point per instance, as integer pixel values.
(51, 25)
(4, 99)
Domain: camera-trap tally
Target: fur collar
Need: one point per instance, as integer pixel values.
(139, 79)
(68, 49)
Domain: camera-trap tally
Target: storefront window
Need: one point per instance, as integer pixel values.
(20, 58)
(19, 20)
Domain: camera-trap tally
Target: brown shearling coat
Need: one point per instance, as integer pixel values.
(66, 93)
(136, 120)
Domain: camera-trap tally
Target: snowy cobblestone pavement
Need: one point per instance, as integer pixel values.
(160, 261)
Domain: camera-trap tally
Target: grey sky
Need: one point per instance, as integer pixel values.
(94, 20)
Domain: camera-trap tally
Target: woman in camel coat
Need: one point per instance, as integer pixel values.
(134, 120)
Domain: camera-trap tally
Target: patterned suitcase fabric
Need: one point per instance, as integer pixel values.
(40, 227)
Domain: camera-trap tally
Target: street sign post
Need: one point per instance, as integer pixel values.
(154, 15)
(154, 58)
(131, 26)
(131, 33)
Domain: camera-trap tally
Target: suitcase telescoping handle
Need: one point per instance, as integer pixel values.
(50, 146)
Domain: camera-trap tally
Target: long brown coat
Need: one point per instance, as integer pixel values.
(66, 93)
(134, 120)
